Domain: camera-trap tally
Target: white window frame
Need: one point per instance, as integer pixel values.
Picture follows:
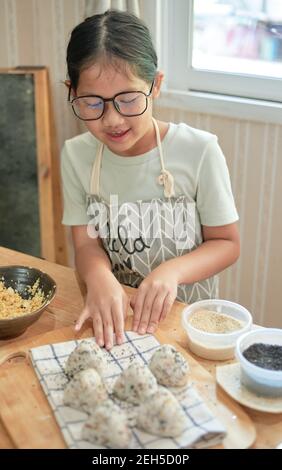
(171, 24)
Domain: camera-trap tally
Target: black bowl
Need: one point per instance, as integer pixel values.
(19, 278)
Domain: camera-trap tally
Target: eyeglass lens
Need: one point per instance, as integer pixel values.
(127, 104)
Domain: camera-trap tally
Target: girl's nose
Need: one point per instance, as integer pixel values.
(111, 116)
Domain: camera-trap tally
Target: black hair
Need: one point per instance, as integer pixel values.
(118, 37)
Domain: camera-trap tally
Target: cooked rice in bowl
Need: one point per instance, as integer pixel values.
(12, 304)
(25, 293)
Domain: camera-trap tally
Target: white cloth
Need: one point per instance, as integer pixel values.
(204, 429)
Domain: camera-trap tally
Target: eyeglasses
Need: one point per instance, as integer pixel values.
(127, 103)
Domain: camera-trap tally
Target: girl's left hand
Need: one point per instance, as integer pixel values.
(153, 299)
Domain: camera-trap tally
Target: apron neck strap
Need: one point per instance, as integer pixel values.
(165, 178)
(95, 176)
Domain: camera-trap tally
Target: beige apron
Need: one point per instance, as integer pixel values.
(148, 233)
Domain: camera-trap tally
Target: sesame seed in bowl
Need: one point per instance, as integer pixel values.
(213, 327)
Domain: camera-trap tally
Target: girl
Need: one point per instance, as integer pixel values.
(149, 202)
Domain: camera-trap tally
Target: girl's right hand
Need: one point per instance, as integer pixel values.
(106, 304)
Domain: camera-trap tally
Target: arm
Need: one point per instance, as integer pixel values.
(220, 249)
(106, 302)
(156, 294)
(90, 255)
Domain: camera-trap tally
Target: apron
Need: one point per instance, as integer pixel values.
(140, 236)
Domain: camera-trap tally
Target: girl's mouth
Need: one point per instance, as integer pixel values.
(117, 136)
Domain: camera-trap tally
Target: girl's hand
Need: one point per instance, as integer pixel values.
(106, 304)
(153, 299)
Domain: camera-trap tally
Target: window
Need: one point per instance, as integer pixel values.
(228, 47)
(237, 36)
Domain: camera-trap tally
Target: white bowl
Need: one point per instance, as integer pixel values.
(215, 346)
(260, 380)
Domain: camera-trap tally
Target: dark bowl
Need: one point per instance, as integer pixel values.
(19, 278)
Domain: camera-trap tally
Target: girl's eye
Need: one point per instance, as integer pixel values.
(97, 105)
(128, 101)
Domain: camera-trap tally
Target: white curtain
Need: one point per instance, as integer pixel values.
(93, 7)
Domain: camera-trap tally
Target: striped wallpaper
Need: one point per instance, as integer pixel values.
(35, 32)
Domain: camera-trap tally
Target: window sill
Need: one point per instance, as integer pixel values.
(223, 105)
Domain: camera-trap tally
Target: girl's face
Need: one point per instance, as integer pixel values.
(124, 136)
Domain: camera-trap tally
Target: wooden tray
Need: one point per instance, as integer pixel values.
(29, 420)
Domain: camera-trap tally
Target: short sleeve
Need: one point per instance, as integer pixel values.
(75, 209)
(214, 198)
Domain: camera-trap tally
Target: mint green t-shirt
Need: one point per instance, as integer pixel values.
(192, 156)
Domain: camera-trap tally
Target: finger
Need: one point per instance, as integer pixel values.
(132, 301)
(138, 306)
(147, 310)
(108, 329)
(118, 320)
(125, 307)
(167, 306)
(98, 329)
(81, 319)
(156, 311)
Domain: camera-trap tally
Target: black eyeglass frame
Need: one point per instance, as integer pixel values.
(105, 100)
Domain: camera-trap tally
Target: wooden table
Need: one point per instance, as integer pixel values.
(65, 309)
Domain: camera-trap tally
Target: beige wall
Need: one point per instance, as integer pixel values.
(35, 32)
(253, 154)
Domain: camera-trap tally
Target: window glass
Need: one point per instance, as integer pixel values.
(238, 36)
